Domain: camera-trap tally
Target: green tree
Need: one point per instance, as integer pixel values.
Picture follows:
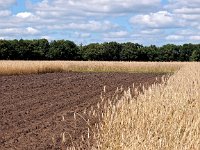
(196, 54)
(63, 50)
(186, 51)
(93, 51)
(38, 49)
(130, 51)
(153, 53)
(169, 52)
(4, 52)
(111, 51)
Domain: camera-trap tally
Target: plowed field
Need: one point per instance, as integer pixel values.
(32, 107)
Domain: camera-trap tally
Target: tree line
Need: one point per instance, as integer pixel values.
(42, 49)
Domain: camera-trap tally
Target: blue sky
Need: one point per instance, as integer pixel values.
(143, 21)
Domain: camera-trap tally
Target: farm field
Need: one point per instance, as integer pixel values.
(99, 75)
(164, 116)
(30, 67)
(36, 110)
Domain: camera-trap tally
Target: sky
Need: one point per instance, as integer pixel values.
(147, 22)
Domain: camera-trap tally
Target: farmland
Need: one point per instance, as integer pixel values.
(30, 67)
(99, 75)
(32, 106)
(80, 106)
(166, 116)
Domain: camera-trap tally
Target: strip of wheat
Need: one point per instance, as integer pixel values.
(166, 116)
(29, 67)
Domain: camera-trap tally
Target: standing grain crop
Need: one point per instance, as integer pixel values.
(166, 116)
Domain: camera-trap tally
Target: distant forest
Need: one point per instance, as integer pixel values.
(42, 49)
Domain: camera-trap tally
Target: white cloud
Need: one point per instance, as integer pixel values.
(101, 20)
(150, 31)
(19, 31)
(54, 8)
(24, 15)
(188, 13)
(9, 31)
(46, 37)
(27, 16)
(161, 19)
(182, 3)
(174, 37)
(91, 25)
(195, 37)
(31, 30)
(187, 10)
(117, 34)
(186, 32)
(194, 17)
(82, 35)
(6, 3)
(5, 13)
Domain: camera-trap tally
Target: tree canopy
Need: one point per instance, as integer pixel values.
(42, 49)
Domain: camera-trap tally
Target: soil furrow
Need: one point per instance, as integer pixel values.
(32, 106)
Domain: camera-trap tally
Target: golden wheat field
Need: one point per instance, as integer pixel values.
(166, 116)
(29, 67)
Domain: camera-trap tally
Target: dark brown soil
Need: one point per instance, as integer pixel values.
(32, 106)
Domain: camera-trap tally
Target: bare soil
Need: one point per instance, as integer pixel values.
(35, 110)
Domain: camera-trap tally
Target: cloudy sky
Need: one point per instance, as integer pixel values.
(85, 21)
